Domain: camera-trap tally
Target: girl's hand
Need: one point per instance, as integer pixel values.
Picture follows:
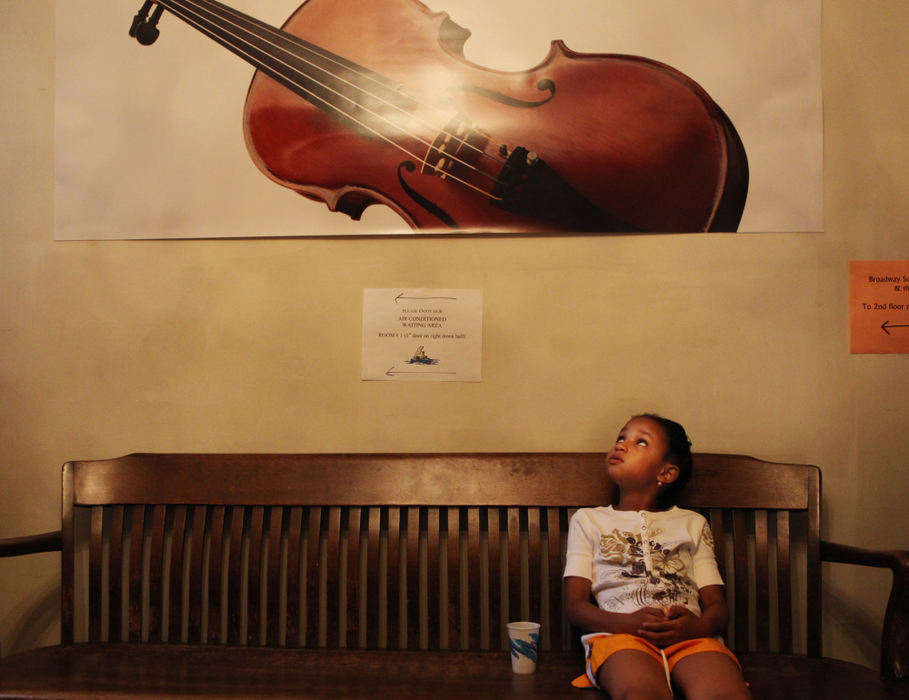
(644, 619)
(675, 624)
(679, 623)
(583, 613)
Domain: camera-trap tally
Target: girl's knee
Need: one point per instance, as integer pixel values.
(634, 686)
(711, 676)
(731, 689)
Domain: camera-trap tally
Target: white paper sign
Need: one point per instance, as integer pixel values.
(423, 334)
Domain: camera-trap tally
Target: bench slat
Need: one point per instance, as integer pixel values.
(392, 581)
(331, 617)
(197, 632)
(413, 616)
(216, 598)
(136, 535)
(95, 572)
(493, 592)
(512, 572)
(534, 569)
(237, 571)
(257, 531)
(176, 608)
(373, 581)
(783, 582)
(156, 579)
(115, 575)
(294, 581)
(275, 584)
(313, 570)
(476, 592)
(552, 612)
(762, 581)
(451, 622)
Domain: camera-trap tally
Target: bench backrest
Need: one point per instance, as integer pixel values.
(422, 551)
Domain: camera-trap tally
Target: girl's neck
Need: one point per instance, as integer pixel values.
(637, 501)
(628, 503)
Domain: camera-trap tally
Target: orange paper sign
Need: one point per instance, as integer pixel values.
(879, 300)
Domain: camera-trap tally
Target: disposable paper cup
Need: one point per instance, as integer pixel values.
(524, 642)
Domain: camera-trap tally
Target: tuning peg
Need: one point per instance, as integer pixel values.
(144, 28)
(141, 16)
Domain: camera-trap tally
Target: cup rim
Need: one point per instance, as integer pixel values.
(523, 625)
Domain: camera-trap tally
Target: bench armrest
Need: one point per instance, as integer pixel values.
(31, 544)
(895, 636)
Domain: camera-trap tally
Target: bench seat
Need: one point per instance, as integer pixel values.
(176, 671)
(107, 671)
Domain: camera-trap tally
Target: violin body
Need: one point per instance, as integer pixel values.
(580, 142)
(634, 138)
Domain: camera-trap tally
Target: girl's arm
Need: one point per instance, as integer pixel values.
(714, 611)
(584, 614)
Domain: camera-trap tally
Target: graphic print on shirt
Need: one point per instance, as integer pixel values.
(655, 565)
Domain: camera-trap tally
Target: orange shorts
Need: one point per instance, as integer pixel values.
(600, 647)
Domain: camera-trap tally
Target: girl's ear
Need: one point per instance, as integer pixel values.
(669, 473)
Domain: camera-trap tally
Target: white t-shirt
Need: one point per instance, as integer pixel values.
(638, 559)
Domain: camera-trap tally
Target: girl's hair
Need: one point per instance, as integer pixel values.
(677, 453)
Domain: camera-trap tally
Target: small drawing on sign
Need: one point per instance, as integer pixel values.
(421, 358)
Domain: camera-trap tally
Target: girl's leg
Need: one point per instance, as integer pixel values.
(710, 675)
(630, 674)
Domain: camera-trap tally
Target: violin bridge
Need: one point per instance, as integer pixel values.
(455, 151)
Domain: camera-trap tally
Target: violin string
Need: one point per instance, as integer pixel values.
(184, 8)
(237, 47)
(361, 73)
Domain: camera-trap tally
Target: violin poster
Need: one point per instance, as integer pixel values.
(269, 118)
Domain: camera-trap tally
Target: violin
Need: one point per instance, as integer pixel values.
(362, 102)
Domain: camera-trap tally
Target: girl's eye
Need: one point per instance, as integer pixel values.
(620, 438)
(642, 441)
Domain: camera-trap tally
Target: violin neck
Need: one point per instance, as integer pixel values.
(363, 99)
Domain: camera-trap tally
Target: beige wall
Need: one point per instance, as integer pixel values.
(112, 347)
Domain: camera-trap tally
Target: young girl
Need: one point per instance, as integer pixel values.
(660, 604)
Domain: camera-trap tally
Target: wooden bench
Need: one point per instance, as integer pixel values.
(336, 576)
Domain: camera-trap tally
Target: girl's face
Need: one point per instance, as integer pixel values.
(638, 457)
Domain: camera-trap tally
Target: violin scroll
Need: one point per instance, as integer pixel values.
(144, 28)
